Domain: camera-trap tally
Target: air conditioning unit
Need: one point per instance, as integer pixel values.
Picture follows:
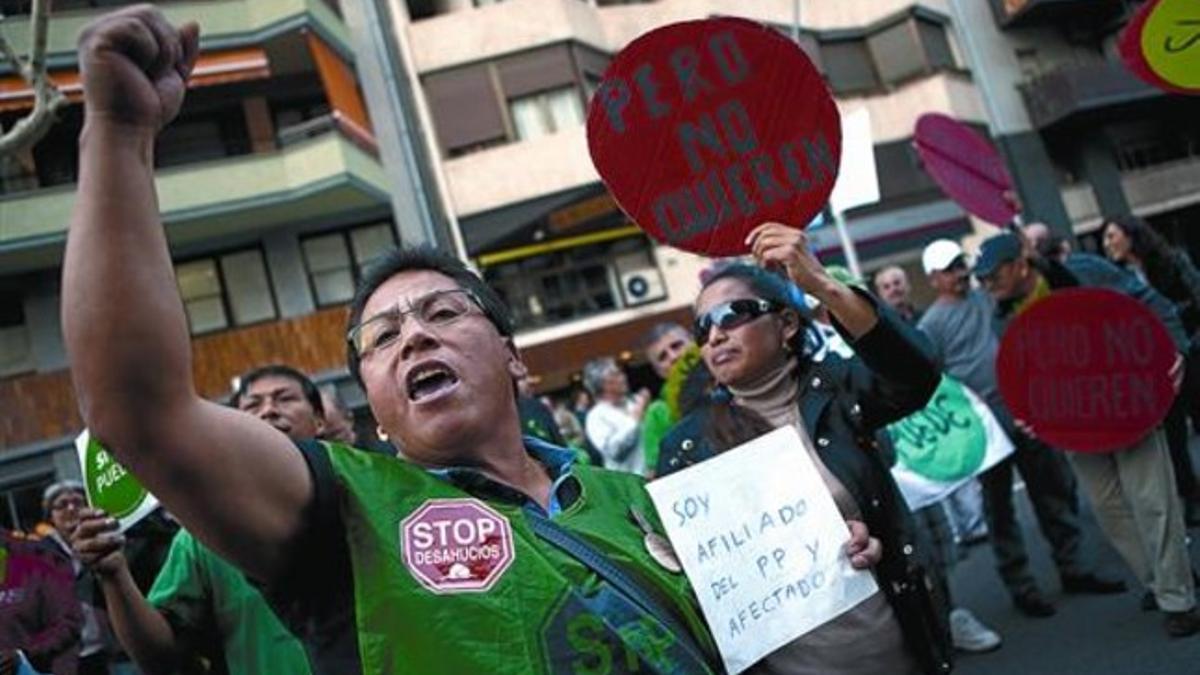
(639, 286)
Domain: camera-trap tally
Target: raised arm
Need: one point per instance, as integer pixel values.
(144, 633)
(895, 371)
(776, 245)
(237, 483)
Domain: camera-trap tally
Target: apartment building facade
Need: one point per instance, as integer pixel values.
(273, 197)
(504, 88)
(1085, 139)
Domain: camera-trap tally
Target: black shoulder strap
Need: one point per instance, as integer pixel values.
(587, 554)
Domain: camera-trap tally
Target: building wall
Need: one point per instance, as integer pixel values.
(1084, 139)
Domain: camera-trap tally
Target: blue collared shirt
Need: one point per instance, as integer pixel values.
(564, 488)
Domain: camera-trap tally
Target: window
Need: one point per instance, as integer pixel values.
(21, 502)
(546, 112)
(329, 268)
(15, 353)
(896, 52)
(890, 55)
(937, 45)
(336, 261)
(200, 287)
(201, 136)
(565, 285)
(17, 173)
(848, 66)
(247, 287)
(231, 289)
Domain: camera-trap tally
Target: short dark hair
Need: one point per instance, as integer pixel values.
(279, 370)
(657, 331)
(423, 258)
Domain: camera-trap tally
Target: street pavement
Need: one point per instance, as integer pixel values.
(1092, 634)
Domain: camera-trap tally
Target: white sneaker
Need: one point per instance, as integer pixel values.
(969, 634)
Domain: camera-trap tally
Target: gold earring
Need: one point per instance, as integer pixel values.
(381, 433)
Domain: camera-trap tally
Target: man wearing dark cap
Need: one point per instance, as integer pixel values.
(1131, 489)
(959, 325)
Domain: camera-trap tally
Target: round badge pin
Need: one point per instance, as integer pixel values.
(661, 551)
(657, 546)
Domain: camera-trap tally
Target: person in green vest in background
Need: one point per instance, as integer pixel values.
(202, 613)
(662, 345)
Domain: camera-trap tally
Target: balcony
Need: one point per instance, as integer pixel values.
(318, 176)
(483, 180)
(1150, 191)
(1080, 88)
(448, 33)
(223, 24)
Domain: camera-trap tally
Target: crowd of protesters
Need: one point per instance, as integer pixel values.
(275, 547)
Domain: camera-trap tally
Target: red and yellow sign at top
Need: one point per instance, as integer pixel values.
(1161, 45)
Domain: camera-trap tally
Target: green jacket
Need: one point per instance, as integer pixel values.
(217, 613)
(448, 580)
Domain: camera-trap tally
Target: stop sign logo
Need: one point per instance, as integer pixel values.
(456, 545)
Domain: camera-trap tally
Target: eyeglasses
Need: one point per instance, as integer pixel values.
(731, 314)
(434, 310)
(65, 504)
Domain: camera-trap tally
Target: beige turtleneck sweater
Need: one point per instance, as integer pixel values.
(866, 640)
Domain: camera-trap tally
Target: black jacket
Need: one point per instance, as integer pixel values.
(843, 403)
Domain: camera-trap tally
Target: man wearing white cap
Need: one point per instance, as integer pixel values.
(959, 324)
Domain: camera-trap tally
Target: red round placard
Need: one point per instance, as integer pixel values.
(1129, 46)
(1088, 369)
(702, 130)
(1164, 31)
(966, 167)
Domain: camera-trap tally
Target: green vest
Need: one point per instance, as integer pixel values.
(536, 616)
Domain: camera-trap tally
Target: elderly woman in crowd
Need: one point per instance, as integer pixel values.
(758, 345)
(614, 423)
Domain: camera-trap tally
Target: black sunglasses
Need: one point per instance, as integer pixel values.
(731, 314)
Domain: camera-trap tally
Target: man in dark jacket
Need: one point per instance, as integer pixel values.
(1131, 489)
(960, 326)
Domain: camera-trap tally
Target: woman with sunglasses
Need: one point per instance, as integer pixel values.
(757, 343)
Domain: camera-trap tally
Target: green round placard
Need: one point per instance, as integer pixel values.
(944, 441)
(109, 485)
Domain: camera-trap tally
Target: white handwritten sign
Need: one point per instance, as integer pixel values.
(762, 542)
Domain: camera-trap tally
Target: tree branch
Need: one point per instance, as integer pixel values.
(47, 99)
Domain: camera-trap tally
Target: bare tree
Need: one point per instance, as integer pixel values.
(47, 99)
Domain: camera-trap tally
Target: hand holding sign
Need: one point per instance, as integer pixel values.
(98, 542)
(780, 246)
(1088, 370)
(702, 130)
(763, 544)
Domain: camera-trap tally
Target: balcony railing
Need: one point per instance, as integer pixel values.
(1077, 88)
